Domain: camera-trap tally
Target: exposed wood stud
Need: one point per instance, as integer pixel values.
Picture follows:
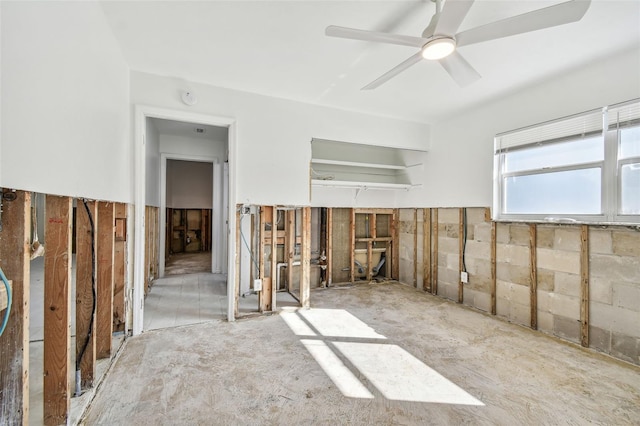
(426, 249)
(105, 257)
(584, 285)
(415, 248)
(305, 282)
(352, 251)
(119, 267)
(85, 326)
(57, 310)
(434, 287)
(14, 342)
(274, 257)
(493, 268)
(265, 294)
(329, 274)
(461, 231)
(534, 275)
(236, 278)
(290, 246)
(395, 246)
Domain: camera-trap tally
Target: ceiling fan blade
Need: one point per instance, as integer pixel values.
(563, 13)
(355, 34)
(452, 15)
(395, 71)
(459, 69)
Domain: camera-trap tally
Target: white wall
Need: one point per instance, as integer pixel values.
(274, 135)
(189, 184)
(65, 102)
(458, 170)
(152, 165)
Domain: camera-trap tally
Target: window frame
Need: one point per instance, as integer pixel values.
(610, 169)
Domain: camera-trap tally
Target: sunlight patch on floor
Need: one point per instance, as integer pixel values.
(393, 371)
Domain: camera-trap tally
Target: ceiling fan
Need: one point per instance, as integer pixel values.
(439, 41)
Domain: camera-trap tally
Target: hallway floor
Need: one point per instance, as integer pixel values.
(188, 263)
(365, 354)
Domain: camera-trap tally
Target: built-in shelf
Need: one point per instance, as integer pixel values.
(349, 165)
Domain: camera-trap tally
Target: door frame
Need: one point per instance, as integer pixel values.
(142, 112)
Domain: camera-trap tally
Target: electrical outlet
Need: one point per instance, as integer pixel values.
(464, 277)
(257, 284)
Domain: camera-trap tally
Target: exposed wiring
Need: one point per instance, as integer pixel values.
(247, 245)
(7, 312)
(93, 291)
(464, 239)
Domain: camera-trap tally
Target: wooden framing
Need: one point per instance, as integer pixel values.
(584, 286)
(236, 280)
(426, 250)
(147, 249)
(105, 257)
(290, 244)
(57, 310)
(533, 288)
(274, 257)
(305, 258)
(415, 248)
(352, 250)
(434, 287)
(395, 248)
(494, 276)
(461, 231)
(14, 342)
(329, 253)
(263, 298)
(85, 309)
(119, 266)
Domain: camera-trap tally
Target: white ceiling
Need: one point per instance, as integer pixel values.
(278, 48)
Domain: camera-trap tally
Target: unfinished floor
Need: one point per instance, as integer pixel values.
(365, 354)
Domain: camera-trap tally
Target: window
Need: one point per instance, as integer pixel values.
(583, 168)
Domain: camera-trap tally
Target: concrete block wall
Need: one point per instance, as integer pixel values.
(407, 229)
(614, 306)
(614, 275)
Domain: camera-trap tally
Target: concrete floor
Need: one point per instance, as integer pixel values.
(188, 263)
(367, 354)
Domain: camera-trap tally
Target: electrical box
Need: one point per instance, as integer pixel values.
(464, 277)
(257, 284)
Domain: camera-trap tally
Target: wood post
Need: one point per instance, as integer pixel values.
(533, 289)
(461, 232)
(265, 293)
(584, 285)
(236, 278)
(14, 342)
(274, 257)
(85, 292)
(494, 278)
(105, 257)
(426, 249)
(434, 287)
(57, 309)
(290, 244)
(119, 266)
(329, 274)
(305, 261)
(395, 246)
(415, 248)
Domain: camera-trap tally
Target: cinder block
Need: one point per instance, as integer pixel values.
(558, 260)
(625, 347)
(502, 233)
(520, 314)
(503, 307)
(616, 268)
(482, 301)
(601, 315)
(448, 290)
(545, 236)
(545, 322)
(600, 241)
(475, 215)
(544, 301)
(448, 245)
(567, 239)
(566, 328)
(546, 280)
(449, 276)
(449, 215)
(600, 339)
(627, 296)
(626, 243)
(626, 322)
(405, 215)
(515, 255)
(513, 273)
(453, 261)
(567, 284)
(601, 290)
(519, 235)
(452, 230)
(482, 232)
(566, 306)
(521, 294)
(478, 250)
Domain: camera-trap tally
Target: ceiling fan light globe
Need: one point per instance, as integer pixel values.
(438, 48)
